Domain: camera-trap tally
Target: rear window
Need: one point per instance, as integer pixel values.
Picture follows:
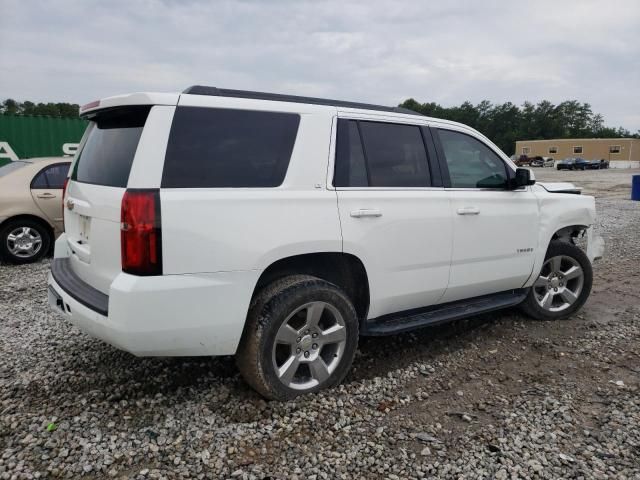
(111, 142)
(216, 148)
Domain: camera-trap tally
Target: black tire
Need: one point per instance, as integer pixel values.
(530, 305)
(267, 313)
(10, 226)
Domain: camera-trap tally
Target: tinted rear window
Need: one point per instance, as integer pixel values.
(111, 143)
(212, 147)
(51, 177)
(350, 168)
(394, 155)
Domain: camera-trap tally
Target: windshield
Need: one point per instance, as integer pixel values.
(11, 167)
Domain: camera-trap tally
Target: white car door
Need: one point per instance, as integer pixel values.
(394, 213)
(495, 229)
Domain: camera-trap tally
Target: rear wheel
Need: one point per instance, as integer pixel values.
(563, 284)
(301, 337)
(24, 241)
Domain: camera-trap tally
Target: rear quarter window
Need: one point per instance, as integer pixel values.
(217, 148)
(110, 146)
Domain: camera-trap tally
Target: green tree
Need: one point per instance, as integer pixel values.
(12, 107)
(506, 123)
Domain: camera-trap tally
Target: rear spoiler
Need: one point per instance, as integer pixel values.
(143, 98)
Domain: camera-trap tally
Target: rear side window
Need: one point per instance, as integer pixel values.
(218, 148)
(378, 154)
(51, 177)
(351, 170)
(111, 142)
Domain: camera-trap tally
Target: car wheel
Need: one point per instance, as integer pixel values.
(301, 336)
(24, 241)
(563, 284)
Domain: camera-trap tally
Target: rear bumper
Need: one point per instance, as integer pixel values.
(172, 315)
(80, 291)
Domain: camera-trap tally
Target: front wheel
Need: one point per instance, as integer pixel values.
(563, 284)
(301, 336)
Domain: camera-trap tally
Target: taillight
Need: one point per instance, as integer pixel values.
(140, 233)
(64, 194)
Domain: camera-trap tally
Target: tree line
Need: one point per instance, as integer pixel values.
(502, 123)
(505, 123)
(12, 107)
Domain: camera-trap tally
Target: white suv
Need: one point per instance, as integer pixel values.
(279, 229)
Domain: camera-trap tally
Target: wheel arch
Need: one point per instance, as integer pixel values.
(568, 233)
(342, 269)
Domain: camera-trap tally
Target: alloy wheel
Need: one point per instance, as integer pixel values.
(309, 345)
(24, 242)
(559, 284)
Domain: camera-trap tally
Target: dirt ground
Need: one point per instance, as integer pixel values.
(612, 183)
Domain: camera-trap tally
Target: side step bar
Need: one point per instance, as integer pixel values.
(446, 312)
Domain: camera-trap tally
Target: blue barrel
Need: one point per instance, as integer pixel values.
(635, 188)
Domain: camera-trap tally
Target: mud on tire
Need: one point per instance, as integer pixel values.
(300, 337)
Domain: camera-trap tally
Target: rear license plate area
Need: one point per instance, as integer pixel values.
(84, 229)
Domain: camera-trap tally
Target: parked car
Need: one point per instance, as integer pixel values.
(573, 164)
(279, 229)
(542, 162)
(581, 164)
(566, 164)
(598, 164)
(31, 207)
(523, 161)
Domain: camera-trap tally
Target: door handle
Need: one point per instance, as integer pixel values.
(373, 212)
(45, 195)
(468, 211)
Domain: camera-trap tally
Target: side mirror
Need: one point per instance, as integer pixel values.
(523, 177)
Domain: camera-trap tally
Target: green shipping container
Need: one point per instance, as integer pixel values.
(26, 136)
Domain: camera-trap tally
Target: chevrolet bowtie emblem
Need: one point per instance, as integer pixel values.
(70, 204)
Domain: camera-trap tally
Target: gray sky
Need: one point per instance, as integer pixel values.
(372, 51)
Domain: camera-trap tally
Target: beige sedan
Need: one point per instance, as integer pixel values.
(31, 207)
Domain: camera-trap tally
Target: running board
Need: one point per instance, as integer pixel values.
(446, 312)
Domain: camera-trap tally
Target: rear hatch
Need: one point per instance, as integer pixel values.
(98, 181)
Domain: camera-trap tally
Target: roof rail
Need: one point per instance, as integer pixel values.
(276, 97)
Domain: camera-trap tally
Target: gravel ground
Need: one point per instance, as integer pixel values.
(496, 396)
